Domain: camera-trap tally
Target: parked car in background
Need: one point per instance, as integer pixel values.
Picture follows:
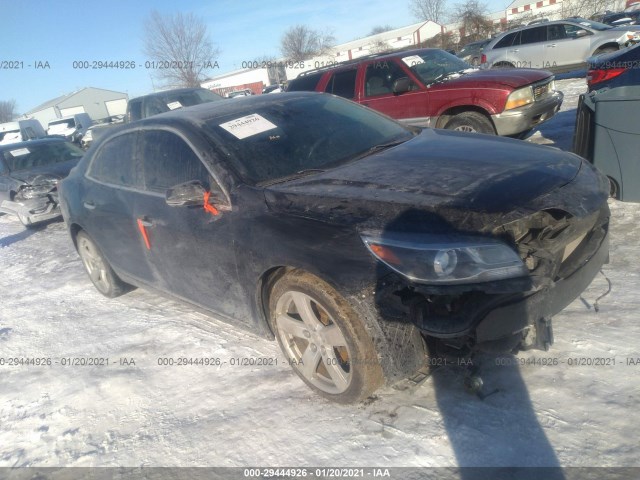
(617, 69)
(472, 52)
(240, 93)
(29, 175)
(347, 236)
(622, 18)
(557, 46)
(71, 128)
(165, 101)
(272, 89)
(432, 88)
(21, 131)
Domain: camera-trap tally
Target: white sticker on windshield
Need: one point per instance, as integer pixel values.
(247, 126)
(174, 105)
(412, 60)
(20, 151)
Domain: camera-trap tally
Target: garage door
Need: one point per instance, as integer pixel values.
(116, 107)
(67, 112)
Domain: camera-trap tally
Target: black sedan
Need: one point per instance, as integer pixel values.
(345, 235)
(29, 175)
(617, 69)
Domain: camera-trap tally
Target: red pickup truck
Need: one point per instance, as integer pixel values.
(432, 88)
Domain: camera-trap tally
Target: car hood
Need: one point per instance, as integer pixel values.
(513, 78)
(464, 181)
(35, 175)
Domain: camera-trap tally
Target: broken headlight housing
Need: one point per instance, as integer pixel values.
(40, 187)
(444, 259)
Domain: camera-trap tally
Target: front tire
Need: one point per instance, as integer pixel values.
(100, 272)
(323, 338)
(471, 122)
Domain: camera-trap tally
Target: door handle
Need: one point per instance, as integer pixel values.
(145, 222)
(89, 205)
(551, 45)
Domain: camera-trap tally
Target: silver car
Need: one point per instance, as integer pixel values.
(558, 46)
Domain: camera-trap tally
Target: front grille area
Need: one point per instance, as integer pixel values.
(553, 244)
(541, 90)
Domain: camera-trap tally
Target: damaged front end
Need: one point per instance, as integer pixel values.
(559, 251)
(35, 201)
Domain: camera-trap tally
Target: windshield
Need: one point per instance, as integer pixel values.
(41, 155)
(189, 98)
(279, 139)
(590, 23)
(432, 65)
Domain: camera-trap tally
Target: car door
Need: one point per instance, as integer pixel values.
(528, 50)
(564, 46)
(108, 198)
(377, 92)
(190, 248)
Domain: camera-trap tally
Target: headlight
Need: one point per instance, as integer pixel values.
(42, 185)
(519, 98)
(445, 259)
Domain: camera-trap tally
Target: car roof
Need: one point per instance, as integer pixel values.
(204, 112)
(537, 25)
(32, 143)
(356, 61)
(163, 93)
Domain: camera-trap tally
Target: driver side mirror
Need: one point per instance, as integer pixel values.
(581, 33)
(401, 85)
(191, 194)
(186, 194)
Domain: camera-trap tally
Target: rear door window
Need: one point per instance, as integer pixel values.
(506, 41)
(167, 160)
(343, 84)
(114, 163)
(305, 83)
(533, 35)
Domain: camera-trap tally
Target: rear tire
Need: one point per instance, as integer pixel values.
(471, 122)
(100, 272)
(323, 338)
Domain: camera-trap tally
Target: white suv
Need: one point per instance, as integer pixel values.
(557, 46)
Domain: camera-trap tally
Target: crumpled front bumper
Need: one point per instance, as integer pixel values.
(33, 210)
(518, 120)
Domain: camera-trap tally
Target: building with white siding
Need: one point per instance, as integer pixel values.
(97, 102)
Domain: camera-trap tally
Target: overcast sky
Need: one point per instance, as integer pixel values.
(37, 32)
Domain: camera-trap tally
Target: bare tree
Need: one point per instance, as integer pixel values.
(586, 8)
(446, 41)
(380, 29)
(473, 20)
(433, 10)
(7, 110)
(301, 43)
(180, 46)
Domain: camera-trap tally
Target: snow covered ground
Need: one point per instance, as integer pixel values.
(135, 412)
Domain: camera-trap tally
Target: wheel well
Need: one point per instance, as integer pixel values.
(614, 189)
(447, 115)
(265, 285)
(74, 229)
(503, 65)
(613, 45)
